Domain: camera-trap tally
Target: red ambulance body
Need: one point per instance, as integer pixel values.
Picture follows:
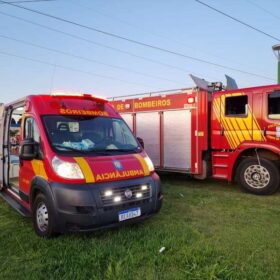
(209, 132)
(78, 167)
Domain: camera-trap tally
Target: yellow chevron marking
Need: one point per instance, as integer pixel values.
(39, 169)
(143, 164)
(246, 132)
(89, 177)
(229, 123)
(224, 126)
(257, 133)
(237, 129)
(216, 107)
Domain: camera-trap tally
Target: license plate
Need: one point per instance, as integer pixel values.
(129, 214)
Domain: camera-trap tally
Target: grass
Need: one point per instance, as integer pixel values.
(211, 230)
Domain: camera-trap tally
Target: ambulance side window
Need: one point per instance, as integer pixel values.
(31, 130)
(236, 106)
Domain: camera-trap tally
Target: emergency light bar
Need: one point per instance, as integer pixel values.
(77, 94)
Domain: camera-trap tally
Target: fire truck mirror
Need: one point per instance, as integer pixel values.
(28, 149)
(141, 142)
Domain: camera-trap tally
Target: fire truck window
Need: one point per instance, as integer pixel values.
(31, 130)
(236, 105)
(274, 105)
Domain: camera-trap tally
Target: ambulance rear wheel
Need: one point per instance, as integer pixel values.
(258, 177)
(42, 216)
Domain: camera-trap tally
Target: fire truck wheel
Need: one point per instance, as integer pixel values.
(258, 178)
(43, 219)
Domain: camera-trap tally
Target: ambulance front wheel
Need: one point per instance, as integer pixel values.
(258, 177)
(43, 216)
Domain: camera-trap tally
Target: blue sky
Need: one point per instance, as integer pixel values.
(181, 26)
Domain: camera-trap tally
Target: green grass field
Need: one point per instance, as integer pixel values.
(211, 230)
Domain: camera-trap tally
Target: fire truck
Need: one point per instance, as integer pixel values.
(210, 131)
(71, 163)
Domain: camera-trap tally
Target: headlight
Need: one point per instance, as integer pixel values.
(149, 163)
(68, 170)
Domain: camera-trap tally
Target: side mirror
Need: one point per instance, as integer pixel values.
(28, 149)
(141, 142)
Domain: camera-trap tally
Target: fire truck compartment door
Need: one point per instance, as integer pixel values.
(147, 128)
(128, 118)
(177, 139)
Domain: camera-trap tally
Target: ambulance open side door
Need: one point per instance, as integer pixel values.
(1, 144)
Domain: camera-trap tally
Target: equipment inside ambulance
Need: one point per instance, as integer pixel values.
(72, 164)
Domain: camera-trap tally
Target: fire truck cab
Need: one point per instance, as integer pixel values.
(209, 131)
(71, 163)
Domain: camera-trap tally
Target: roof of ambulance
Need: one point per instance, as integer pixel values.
(54, 104)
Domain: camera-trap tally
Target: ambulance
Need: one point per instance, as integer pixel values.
(71, 163)
(211, 131)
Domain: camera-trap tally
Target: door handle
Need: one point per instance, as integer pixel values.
(264, 132)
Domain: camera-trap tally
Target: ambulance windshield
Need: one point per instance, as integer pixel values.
(90, 134)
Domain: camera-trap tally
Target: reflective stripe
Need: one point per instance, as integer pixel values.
(38, 168)
(216, 107)
(223, 123)
(232, 131)
(143, 164)
(89, 177)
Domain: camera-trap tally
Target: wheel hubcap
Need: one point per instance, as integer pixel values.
(42, 216)
(257, 176)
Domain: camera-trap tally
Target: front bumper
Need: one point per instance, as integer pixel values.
(81, 208)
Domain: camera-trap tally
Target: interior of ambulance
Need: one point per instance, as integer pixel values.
(14, 132)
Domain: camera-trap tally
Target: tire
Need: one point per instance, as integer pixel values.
(43, 217)
(260, 179)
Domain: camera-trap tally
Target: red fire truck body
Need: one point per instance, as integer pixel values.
(222, 134)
